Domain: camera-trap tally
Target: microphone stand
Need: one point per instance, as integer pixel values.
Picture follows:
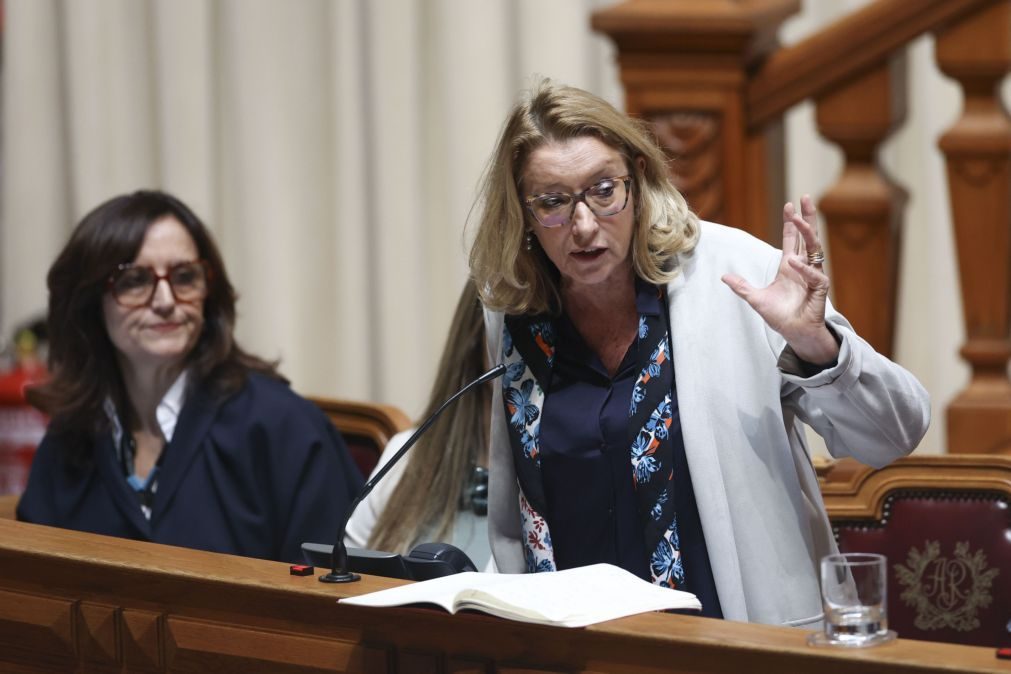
(339, 557)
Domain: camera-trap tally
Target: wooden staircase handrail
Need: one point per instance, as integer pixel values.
(844, 49)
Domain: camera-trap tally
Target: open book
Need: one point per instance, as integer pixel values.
(570, 598)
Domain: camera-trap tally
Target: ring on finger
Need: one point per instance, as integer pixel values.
(816, 257)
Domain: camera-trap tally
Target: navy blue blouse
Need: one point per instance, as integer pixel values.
(587, 472)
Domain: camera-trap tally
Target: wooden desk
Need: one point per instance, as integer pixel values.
(72, 601)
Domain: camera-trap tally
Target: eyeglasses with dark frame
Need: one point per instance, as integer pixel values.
(608, 196)
(134, 286)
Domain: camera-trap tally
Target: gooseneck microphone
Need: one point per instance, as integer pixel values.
(339, 563)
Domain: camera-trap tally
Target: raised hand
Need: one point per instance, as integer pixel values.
(794, 303)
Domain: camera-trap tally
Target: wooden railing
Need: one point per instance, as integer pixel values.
(78, 602)
(714, 83)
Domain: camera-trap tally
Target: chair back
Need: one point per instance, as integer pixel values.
(366, 427)
(8, 504)
(944, 523)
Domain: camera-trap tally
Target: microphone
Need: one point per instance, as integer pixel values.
(339, 557)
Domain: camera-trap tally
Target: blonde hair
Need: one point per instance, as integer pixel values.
(442, 460)
(518, 281)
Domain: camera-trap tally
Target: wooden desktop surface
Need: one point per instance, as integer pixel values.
(71, 601)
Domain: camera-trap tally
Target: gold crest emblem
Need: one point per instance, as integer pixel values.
(946, 592)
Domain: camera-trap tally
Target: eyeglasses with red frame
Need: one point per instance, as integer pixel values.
(134, 286)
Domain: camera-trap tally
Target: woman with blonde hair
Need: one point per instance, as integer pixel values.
(439, 491)
(652, 412)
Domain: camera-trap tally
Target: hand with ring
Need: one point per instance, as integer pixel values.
(794, 303)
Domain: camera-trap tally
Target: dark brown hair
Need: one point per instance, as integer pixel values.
(83, 368)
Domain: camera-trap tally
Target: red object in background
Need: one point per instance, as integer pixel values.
(21, 427)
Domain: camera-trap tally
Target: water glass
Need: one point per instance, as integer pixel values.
(854, 594)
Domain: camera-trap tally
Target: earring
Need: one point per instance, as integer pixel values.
(530, 241)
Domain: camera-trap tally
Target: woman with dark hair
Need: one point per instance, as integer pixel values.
(163, 428)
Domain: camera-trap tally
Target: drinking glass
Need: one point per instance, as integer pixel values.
(854, 595)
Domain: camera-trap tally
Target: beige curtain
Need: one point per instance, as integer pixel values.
(334, 148)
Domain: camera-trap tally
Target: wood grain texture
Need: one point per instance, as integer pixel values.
(846, 49)
(862, 211)
(854, 491)
(224, 613)
(685, 66)
(976, 51)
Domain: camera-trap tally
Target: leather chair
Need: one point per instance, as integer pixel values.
(944, 523)
(366, 427)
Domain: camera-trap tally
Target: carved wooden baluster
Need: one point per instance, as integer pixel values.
(863, 210)
(685, 66)
(977, 52)
(694, 141)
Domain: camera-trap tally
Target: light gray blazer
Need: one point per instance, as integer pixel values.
(742, 398)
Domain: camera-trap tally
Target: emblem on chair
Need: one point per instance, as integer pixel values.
(946, 592)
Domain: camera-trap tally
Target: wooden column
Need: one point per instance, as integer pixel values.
(863, 210)
(685, 66)
(976, 51)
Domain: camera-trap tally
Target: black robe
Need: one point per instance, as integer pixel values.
(256, 474)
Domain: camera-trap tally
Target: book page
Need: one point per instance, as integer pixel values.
(572, 598)
(575, 597)
(439, 591)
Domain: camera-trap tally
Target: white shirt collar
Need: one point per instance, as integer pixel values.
(171, 405)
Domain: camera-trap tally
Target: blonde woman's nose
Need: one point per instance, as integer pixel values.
(583, 220)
